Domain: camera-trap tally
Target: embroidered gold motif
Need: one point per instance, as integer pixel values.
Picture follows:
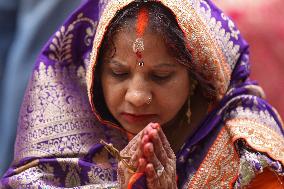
(234, 33)
(258, 136)
(101, 175)
(72, 178)
(56, 118)
(230, 50)
(34, 177)
(255, 111)
(102, 159)
(220, 167)
(43, 176)
(62, 42)
(56, 121)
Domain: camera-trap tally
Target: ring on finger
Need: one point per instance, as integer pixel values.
(160, 170)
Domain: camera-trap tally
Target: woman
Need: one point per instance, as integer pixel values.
(168, 83)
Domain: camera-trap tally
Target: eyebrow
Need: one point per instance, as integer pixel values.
(117, 63)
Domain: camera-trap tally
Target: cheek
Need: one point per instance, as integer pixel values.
(109, 89)
(174, 97)
(107, 96)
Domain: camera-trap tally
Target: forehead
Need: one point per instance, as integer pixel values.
(155, 47)
(127, 36)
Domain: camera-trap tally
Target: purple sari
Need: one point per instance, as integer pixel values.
(57, 143)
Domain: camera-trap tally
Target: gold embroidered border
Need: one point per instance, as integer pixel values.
(56, 118)
(55, 115)
(35, 174)
(258, 136)
(220, 166)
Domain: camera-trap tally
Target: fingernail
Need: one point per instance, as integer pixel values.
(150, 170)
(145, 132)
(154, 134)
(151, 150)
(141, 162)
(145, 139)
(148, 150)
(156, 126)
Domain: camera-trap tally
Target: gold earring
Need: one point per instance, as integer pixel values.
(192, 90)
(188, 113)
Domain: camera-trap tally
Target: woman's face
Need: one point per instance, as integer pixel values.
(127, 86)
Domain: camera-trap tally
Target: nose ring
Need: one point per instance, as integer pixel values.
(149, 100)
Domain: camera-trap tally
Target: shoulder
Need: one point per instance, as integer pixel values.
(249, 143)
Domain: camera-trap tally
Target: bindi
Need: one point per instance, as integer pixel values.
(138, 44)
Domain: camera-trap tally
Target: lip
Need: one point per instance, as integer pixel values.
(135, 118)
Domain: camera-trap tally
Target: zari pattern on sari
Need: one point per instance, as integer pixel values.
(59, 130)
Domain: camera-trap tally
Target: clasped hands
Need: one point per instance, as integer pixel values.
(150, 153)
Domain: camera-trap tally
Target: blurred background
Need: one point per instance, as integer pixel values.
(261, 22)
(25, 25)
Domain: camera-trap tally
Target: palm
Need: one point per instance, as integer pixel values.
(151, 153)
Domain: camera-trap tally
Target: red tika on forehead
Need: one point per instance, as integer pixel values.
(142, 21)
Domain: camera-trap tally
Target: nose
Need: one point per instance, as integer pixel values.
(138, 93)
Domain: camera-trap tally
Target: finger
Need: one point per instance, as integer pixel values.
(141, 165)
(134, 159)
(150, 127)
(162, 150)
(165, 143)
(152, 177)
(134, 153)
(150, 172)
(147, 128)
(145, 139)
(159, 147)
(120, 173)
(148, 149)
(137, 155)
(151, 156)
(155, 126)
(132, 145)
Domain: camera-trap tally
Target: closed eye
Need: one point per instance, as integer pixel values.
(119, 74)
(161, 77)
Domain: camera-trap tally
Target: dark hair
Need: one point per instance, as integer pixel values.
(161, 21)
